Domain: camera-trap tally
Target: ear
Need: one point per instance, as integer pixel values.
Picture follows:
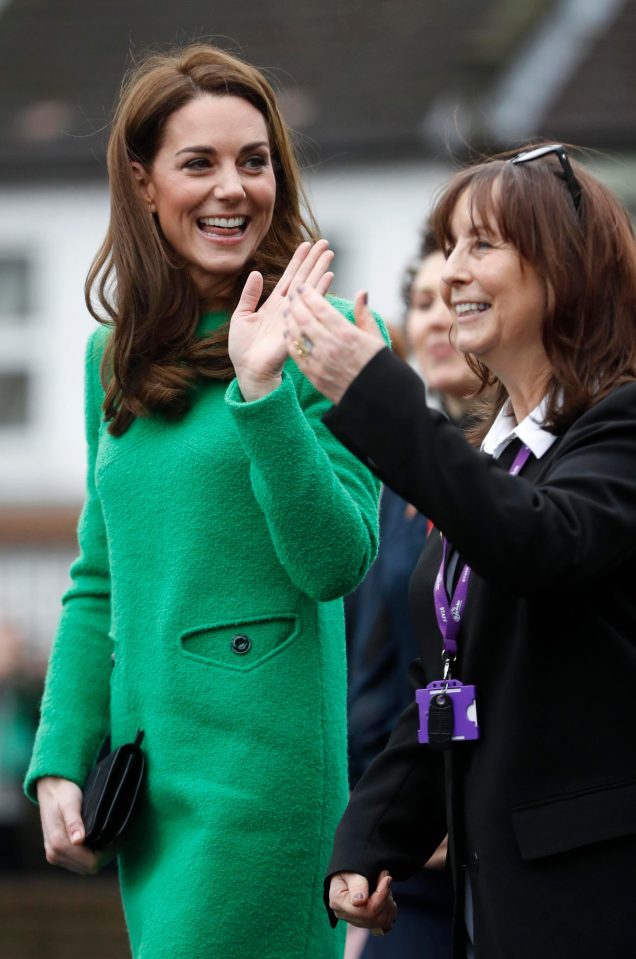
(145, 185)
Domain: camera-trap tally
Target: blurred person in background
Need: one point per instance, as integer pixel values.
(20, 687)
(526, 608)
(381, 639)
(223, 523)
(448, 379)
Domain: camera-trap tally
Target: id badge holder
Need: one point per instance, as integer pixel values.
(448, 713)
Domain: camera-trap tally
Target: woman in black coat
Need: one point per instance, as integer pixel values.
(380, 635)
(530, 632)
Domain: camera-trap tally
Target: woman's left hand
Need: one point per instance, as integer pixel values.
(256, 345)
(329, 349)
(350, 900)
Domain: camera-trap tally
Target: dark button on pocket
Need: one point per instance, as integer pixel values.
(241, 644)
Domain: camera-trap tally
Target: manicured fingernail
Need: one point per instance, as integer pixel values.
(76, 836)
(357, 896)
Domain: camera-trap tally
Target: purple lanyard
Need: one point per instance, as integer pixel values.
(450, 612)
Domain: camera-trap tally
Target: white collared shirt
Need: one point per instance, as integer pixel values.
(530, 431)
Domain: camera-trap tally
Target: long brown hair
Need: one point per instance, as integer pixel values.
(587, 260)
(136, 284)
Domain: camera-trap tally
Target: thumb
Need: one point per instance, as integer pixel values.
(250, 294)
(384, 882)
(72, 819)
(358, 890)
(363, 315)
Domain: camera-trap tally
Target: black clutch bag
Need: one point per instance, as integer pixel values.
(111, 792)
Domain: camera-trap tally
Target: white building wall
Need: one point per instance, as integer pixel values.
(373, 216)
(32, 582)
(59, 230)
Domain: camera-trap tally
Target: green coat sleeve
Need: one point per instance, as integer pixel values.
(75, 707)
(320, 503)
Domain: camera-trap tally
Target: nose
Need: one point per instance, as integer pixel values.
(228, 185)
(456, 268)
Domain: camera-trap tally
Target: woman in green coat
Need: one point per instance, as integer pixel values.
(221, 528)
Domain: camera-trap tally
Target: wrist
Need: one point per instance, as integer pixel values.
(256, 387)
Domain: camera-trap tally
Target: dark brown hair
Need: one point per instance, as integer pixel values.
(136, 284)
(587, 260)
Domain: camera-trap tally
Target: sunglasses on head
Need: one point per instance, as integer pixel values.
(559, 151)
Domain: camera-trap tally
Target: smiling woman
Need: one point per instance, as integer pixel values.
(213, 189)
(222, 526)
(527, 597)
(498, 303)
(190, 133)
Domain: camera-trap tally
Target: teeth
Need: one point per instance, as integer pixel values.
(461, 308)
(229, 222)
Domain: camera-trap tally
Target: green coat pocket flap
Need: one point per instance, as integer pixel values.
(241, 645)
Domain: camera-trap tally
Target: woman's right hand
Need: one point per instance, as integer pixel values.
(63, 829)
(256, 344)
(350, 900)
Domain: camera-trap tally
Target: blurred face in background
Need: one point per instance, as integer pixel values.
(428, 324)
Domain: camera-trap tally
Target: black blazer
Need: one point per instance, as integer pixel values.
(542, 809)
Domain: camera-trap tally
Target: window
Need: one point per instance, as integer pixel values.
(15, 287)
(14, 398)
(16, 339)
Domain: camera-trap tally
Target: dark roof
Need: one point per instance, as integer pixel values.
(597, 105)
(358, 77)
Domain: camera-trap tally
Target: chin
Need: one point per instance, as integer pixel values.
(437, 384)
(444, 378)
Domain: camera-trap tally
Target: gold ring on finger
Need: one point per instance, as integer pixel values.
(303, 346)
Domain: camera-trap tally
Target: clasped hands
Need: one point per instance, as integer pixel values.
(297, 321)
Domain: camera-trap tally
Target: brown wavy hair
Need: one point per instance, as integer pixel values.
(587, 260)
(136, 284)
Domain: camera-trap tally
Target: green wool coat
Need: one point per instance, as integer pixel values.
(238, 520)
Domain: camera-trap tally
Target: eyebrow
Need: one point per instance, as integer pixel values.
(209, 151)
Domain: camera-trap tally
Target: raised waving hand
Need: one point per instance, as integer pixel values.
(256, 344)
